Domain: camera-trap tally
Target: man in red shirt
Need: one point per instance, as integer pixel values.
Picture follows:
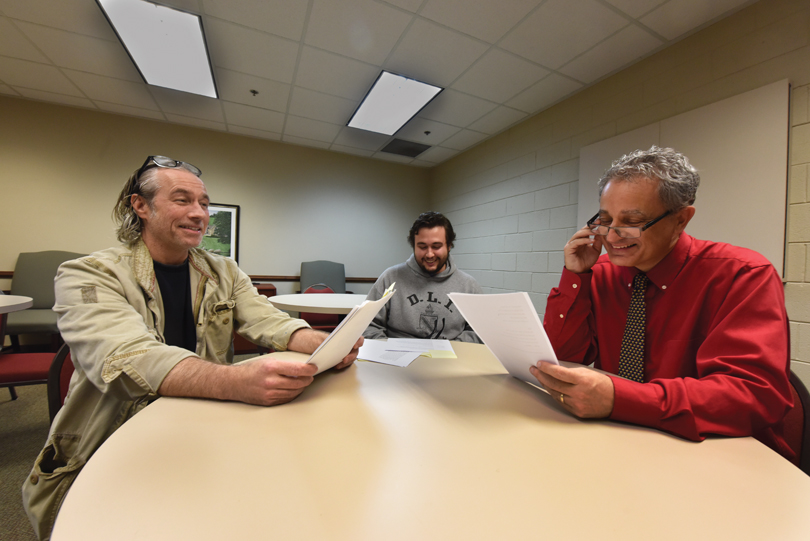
(714, 338)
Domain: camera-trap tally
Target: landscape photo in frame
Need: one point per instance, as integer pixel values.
(222, 235)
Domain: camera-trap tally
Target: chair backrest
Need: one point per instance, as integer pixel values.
(34, 274)
(797, 424)
(323, 272)
(59, 380)
(321, 322)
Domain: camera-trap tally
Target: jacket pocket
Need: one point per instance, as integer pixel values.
(54, 471)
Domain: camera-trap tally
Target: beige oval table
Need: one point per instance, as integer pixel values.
(443, 449)
(319, 303)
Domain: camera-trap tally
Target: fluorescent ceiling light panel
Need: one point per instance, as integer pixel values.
(167, 45)
(391, 102)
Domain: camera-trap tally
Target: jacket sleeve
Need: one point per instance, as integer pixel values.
(376, 330)
(741, 385)
(569, 321)
(109, 339)
(256, 318)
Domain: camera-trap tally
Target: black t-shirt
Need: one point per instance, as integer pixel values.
(175, 288)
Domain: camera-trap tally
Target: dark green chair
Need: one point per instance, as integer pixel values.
(33, 277)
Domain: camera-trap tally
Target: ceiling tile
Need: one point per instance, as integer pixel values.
(5, 89)
(636, 8)
(419, 163)
(303, 141)
(629, 44)
(416, 128)
(464, 139)
(544, 93)
(351, 150)
(307, 128)
(548, 36)
(261, 134)
(83, 53)
(361, 29)
(80, 16)
(677, 17)
(192, 6)
(319, 106)
(187, 105)
(456, 108)
(434, 54)
(366, 140)
(73, 101)
(280, 17)
(437, 154)
(335, 75)
(483, 19)
(250, 51)
(499, 119)
(15, 44)
(111, 90)
(498, 76)
(234, 86)
(22, 73)
(130, 111)
(196, 122)
(253, 117)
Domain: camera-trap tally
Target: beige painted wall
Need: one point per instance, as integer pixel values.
(513, 199)
(62, 169)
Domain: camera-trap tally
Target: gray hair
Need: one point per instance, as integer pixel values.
(129, 223)
(678, 179)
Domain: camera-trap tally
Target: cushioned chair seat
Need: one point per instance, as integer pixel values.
(32, 321)
(22, 368)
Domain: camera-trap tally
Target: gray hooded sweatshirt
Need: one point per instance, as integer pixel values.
(421, 308)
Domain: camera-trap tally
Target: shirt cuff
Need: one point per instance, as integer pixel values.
(634, 402)
(573, 284)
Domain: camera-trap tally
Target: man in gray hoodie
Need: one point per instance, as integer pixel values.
(421, 307)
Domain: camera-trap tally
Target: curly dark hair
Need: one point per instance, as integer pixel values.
(429, 220)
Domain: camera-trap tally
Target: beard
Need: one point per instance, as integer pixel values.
(441, 264)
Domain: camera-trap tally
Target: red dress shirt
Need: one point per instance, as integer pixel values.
(717, 345)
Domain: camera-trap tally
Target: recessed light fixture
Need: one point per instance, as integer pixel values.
(166, 45)
(392, 101)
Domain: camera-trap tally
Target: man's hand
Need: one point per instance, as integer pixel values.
(582, 251)
(269, 382)
(585, 393)
(352, 356)
(265, 381)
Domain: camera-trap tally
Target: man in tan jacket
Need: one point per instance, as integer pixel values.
(155, 317)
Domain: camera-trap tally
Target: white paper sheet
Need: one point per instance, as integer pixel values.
(338, 344)
(510, 328)
(426, 347)
(376, 351)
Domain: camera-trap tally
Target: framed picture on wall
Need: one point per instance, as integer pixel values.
(222, 235)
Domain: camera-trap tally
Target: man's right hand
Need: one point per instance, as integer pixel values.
(582, 251)
(264, 382)
(269, 382)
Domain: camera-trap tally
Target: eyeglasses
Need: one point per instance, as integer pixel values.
(163, 161)
(623, 232)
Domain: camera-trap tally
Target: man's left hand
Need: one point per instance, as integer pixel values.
(350, 358)
(584, 392)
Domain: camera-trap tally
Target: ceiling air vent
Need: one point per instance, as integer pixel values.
(405, 148)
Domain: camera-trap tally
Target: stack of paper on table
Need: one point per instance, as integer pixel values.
(402, 351)
(509, 326)
(340, 342)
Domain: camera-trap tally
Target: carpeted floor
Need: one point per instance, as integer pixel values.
(23, 430)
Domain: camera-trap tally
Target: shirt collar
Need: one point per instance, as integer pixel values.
(665, 272)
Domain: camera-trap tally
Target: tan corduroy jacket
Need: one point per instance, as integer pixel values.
(111, 315)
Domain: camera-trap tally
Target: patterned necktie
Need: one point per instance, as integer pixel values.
(631, 358)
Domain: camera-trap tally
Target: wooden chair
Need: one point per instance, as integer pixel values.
(797, 423)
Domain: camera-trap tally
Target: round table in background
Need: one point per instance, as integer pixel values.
(319, 303)
(8, 304)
